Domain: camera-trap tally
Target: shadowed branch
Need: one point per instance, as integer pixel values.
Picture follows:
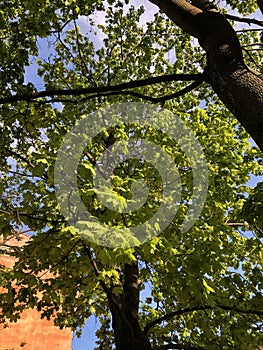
(103, 89)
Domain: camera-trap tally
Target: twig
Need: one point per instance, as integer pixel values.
(64, 257)
(15, 154)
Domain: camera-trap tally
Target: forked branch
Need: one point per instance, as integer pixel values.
(103, 89)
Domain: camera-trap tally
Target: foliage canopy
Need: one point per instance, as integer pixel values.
(207, 282)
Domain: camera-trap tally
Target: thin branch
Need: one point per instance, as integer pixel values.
(235, 224)
(249, 30)
(177, 347)
(37, 218)
(6, 212)
(64, 257)
(103, 89)
(254, 44)
(244, 20)
(179, 93)
(60, 29)
(240, 311)
(22, 174)
(84, 67)
(198, 308)
(15, 154)
(259, 230)
(252, 59)
(173, 314)
(93, 263)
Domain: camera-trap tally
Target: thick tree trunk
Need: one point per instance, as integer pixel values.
(124, 308)
(240, 89)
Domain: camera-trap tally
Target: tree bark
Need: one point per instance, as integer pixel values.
(237, 86)
(124, 309)
(260, 5)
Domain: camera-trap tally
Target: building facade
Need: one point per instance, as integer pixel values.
(30, 332)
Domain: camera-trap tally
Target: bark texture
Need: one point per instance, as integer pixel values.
(238, 87)
(124, 308)
(260, 5)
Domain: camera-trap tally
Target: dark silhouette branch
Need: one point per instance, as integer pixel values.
(103, 89)
(149, 98)
(19, 156)
(244, 20)
(249, 30)
(178, 347)
(180, 312)
(15, 213)
(63, 258)
(131, 93)
(179, 93)
(173, 314)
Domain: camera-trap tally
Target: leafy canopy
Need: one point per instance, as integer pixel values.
(217, 263)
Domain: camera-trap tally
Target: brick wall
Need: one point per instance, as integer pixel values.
(30, 332)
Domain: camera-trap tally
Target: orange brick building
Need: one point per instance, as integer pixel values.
(30, 332)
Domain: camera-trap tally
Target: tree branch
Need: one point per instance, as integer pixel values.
(177, 347)
(179, 93)
(180, 312)
(149, 98)
(19, 156)
(238, 224)
(173, 314)
(132, 93)
(103, 89)
(206, 5)
(62, 259)
(244, 20)
(181, 13)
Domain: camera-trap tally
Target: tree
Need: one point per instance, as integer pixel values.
(203, 285)
(236, 85)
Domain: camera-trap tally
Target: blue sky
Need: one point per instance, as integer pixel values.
(88, 338)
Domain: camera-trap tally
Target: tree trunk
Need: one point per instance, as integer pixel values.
(238, 87)
(124, 309)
